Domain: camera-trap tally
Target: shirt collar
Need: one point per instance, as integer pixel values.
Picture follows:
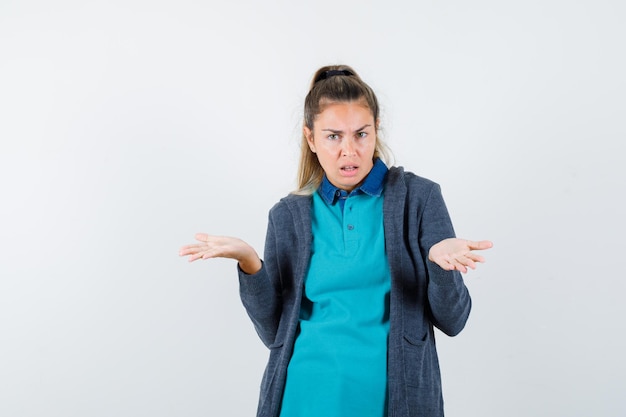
(372, 185)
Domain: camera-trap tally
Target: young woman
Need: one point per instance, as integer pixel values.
(360, 264)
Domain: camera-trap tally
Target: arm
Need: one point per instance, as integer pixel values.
(448, 298)
(260, 294)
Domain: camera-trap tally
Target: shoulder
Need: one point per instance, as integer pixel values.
(292, 201)
(292, 206)
(400, 180)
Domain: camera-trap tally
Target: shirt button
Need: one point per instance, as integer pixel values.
(350, 227)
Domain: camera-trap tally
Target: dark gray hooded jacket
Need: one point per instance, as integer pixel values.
(423, 295)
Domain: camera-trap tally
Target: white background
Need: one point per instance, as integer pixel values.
(128, 126)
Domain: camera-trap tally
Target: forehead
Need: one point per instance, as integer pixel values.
(344, 113)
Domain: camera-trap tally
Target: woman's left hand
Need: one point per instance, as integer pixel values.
(454, 253)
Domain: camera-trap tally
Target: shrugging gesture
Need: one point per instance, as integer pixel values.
(345, 279)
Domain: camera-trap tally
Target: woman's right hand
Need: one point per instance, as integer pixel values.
(223, 247)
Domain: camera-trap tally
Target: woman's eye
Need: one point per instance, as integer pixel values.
(333, 136)
(362, 134)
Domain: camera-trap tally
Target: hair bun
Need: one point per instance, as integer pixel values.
(331, 73)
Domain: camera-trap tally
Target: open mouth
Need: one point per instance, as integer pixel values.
(349, 168)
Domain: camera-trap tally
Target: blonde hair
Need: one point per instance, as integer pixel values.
(332, 84)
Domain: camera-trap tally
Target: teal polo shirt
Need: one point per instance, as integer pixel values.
(339, 364)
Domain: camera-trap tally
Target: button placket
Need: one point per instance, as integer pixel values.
(350, 227)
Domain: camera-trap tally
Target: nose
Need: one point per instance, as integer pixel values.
(348, 148)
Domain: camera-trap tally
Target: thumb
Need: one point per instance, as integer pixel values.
(480, 245)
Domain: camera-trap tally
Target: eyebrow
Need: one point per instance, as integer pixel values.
(341, 131)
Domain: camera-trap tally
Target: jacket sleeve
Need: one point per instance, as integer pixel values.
(260, 292)
(448, 298)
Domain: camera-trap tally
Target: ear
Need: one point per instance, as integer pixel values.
(308, 134)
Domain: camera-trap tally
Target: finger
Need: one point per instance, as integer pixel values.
(475, 257)
(190, 249)
(463, 262)
(190, 257)
(185, 249)
(468, 261)
(450, 263)
(197, 256)
(458, 266)
(202, 237)
(183, 252)
(480, 245)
